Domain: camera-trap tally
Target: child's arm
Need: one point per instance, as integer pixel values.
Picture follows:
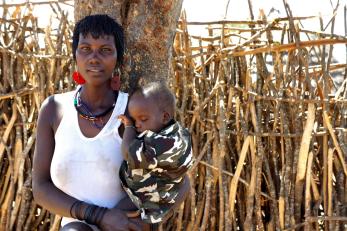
(128, 135)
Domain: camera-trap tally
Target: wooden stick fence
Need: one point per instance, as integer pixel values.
(267, 112)
(35, 63)
(270, 144)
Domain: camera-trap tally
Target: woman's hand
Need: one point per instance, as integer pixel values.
(144, 226)
(116, 220)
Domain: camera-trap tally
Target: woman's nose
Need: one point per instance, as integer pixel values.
(94, 56)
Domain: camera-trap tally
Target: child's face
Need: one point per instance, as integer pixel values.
(146, 114)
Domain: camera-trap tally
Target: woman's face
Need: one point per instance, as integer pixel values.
(96, 58)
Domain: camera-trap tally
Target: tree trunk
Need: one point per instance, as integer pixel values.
(149, 31)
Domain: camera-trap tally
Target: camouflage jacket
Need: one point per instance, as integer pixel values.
(156, 165)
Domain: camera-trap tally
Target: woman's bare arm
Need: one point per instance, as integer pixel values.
(44, 191)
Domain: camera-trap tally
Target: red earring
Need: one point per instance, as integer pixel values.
(78, 78)
(115, 82)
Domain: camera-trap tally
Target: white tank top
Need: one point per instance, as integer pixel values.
(88, 168)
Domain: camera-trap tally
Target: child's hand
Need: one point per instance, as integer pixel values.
(125, 120)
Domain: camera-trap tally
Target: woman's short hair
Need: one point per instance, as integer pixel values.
(99, 25)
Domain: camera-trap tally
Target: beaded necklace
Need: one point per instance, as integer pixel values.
(85, 113)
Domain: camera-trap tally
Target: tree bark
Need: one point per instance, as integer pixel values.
(149, 27)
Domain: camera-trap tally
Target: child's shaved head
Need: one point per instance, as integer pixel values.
(160, 94)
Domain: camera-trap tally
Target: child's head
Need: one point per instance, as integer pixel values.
(152, 107)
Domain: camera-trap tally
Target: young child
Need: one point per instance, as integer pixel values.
(156, 149)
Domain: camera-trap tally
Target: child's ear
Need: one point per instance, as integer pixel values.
(166, 117)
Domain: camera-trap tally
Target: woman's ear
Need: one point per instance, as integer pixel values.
(166, 117)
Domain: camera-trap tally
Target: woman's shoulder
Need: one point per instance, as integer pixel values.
(52, 107)
(57, 100)
(62, 98)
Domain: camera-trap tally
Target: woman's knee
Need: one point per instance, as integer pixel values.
(76, 226)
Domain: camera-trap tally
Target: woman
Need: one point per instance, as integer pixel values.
(78, 146)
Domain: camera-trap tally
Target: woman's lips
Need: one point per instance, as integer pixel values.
(94, 70)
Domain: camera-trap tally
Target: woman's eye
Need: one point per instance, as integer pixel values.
(106, 50)
(84, 49)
